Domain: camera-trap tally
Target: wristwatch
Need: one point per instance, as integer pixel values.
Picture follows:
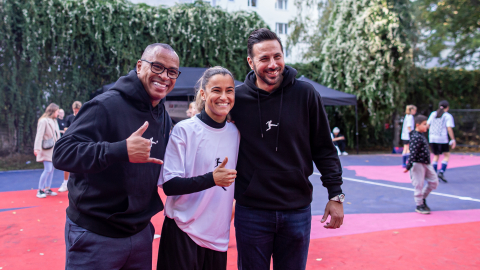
(339, 198)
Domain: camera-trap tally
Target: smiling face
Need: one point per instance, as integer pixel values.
(158, 85)
(219, 96)
(268, 64)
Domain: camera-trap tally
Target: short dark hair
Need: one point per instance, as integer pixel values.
(420, 119)
(261, 35)
(149, 49)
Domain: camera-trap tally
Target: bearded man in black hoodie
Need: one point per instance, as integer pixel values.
(115, 149)
(283, 128)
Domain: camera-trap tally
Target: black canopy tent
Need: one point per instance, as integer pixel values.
(331, 97)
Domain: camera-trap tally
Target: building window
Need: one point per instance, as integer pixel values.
(287, 52)
(282, 28)
(252, 3)
(281, 4)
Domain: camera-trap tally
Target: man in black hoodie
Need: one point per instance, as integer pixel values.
(283, 128)
(116, 164)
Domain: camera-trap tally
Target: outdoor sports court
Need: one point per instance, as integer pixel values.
(380, 231)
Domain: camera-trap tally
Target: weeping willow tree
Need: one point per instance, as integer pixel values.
(367, 52)
(62, 50)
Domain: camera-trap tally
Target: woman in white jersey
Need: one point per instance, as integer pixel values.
(408, 126)
(197, 177)
(441, 126)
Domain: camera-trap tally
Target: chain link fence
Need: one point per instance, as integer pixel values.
(467, 127)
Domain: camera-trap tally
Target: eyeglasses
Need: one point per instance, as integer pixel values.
(158, 68)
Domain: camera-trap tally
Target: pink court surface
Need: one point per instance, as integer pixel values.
(380, 231)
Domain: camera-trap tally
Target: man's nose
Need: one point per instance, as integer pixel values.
(272, 64)
(164, 75)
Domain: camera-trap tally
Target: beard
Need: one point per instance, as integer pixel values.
(264, 78)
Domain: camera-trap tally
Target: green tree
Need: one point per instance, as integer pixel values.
(367, 52)
(451, 26)
(63, 50)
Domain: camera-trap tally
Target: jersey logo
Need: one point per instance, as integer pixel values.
(217, 160)
(152, 142)
(270, 125)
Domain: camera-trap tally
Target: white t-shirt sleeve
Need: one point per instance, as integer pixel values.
(432, 116)
(450, 121)
(411, 122)
(174, 160)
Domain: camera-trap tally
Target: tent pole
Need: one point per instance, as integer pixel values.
(356, 126)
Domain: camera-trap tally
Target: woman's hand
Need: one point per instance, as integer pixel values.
(35, 152)
(224, 177)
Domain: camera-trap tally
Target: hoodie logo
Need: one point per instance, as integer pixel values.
(218, 162)
(270, 125)
(152, 142)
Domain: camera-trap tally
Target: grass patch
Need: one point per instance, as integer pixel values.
(19, 162)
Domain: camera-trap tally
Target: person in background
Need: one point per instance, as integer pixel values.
(76, 106)
(47, 135)
(408, 126)
(198, 177)
(192, 110)
(419, 165)
(61, 121)
(441, 126)
(339, 141)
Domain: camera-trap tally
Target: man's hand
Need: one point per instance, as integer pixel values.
(224, 177)
(139, 148)
(335, 210)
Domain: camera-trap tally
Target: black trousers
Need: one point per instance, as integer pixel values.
(177, 251)
(340, 144)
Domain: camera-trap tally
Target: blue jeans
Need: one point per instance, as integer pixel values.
(264, 234)
(88, 250)
(47, 175)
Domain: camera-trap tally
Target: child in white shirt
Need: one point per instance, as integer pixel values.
(408, 126)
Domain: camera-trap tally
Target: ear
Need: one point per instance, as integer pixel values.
(203, 94)
(250, 62)
(139, 66)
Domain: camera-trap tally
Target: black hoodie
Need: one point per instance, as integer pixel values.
(109, 195)
(282, 132)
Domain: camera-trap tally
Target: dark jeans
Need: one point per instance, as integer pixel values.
(264, 234)
(88, 250)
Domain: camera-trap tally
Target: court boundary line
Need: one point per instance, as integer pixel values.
(405, 188)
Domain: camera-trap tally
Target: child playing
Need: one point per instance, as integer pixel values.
(419, 165)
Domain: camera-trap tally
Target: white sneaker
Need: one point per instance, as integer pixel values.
(50, 192)
(41, 194)
(63, 187)
(345, 153)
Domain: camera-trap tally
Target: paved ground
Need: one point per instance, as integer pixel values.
(380, 230)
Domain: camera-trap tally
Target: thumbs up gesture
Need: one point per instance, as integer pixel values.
(224, 177)
(138, 148)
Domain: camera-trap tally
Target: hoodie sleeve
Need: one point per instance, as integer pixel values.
(84, 147)
(324, 153)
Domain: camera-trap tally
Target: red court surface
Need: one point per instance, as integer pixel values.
(380, 229)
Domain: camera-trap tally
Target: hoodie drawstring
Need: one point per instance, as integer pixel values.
(279, 118)
(158, 116)
(259, 113)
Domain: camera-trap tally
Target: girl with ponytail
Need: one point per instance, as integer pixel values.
(198, 177)
(408, 126)
(441, 126)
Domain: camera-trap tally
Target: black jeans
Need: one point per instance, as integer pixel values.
(264, 234)
(341, 145)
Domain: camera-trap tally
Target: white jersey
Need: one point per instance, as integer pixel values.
(195, 149)
(408, 121)
(438, 127)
